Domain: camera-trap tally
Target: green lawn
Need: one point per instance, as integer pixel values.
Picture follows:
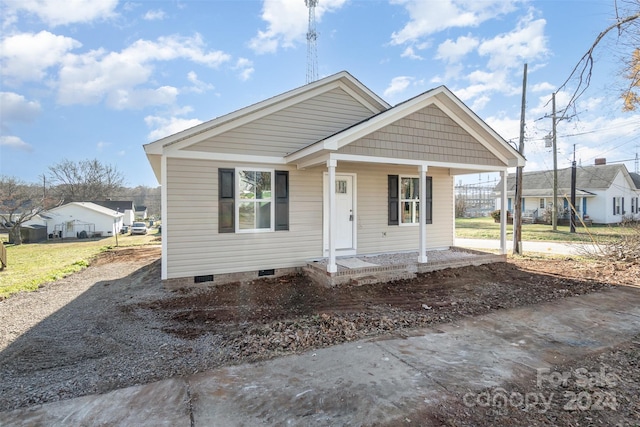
(486, 228)
(32, 265)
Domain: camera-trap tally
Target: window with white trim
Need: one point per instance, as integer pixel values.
(541, 204)
(409, 200)
(254, 195)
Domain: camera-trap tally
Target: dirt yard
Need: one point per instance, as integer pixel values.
(113, 325)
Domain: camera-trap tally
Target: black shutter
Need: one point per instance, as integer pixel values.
(282, 200)
(226, 193)
(429, 202)
(614, 205)
(622, 206)
(394, 200)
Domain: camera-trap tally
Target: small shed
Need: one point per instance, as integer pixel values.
(33, 233)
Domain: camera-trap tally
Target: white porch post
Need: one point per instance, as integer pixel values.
(422, 256)
(333, 218)
(503, 213)
(164, 268)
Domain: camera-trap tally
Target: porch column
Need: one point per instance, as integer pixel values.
(503, 213)
(422, 255)
(333, 218)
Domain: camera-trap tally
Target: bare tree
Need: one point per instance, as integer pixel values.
(20, 202)
(85, 180)
(627, 24)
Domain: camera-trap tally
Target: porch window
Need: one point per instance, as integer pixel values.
(252, 200)
(404, 200)
(409, 200)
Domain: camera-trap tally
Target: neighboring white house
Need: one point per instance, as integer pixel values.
(71, 219)
(326, 170)
(141, 212)
(126, 207)
(605, 194)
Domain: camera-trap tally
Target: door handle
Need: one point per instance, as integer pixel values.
(351, 217)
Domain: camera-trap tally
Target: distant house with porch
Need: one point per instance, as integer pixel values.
(324, 172)
(605, 194)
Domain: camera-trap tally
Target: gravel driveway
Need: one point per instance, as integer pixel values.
(113, 325)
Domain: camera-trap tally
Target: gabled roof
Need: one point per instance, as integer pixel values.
(635, 177)
(116, 205)
(92, 207)
(444, 99)
(382, 114)
(270, 105)
(595, 177)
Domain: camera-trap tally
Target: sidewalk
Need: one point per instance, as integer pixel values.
(552, 248)
(364, 382)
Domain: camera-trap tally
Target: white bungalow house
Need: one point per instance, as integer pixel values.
(323, 171)
(605, 194)
(71, 219)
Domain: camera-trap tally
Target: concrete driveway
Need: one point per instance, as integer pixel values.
(365, 382)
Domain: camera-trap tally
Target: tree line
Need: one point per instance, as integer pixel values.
(64, 182)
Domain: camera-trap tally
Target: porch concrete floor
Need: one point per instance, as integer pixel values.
(366, 269)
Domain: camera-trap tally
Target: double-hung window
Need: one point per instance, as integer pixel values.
(404, 200)
(254, 210)
(409, 200)
(253, 200)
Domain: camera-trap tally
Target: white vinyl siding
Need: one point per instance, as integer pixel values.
(290, 129)
(194, 246)
(374, 233)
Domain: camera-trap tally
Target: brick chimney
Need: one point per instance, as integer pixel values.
(601, 161)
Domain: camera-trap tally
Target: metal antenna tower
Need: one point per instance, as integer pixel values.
(637, 163)
(312, 36)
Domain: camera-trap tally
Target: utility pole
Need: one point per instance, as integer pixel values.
(572, 225)
(554, 211)
(517, 212)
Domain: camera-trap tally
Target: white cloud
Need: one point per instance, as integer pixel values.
(55, 12)
(398, 85)
(287, 23)
(410, 53)
(154, 15)
(198, 86)
(11, 141)
(123, 99)
(525, 43)
(116, 76)
(100, 146)
(27, 56)
(430, 17)
(545, 87)
(165, 126)
(245, 67)
(453, 51)
(16, 108)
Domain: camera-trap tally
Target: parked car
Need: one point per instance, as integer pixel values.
(139, 228)
(124, 229)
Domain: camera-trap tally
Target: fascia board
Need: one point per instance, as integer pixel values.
(227, 157)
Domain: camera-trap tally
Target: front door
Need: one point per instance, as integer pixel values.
(345, 213)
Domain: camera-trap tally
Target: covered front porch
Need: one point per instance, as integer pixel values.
(367, 269)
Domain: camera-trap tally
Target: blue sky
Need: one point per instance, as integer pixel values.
(98, 79)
